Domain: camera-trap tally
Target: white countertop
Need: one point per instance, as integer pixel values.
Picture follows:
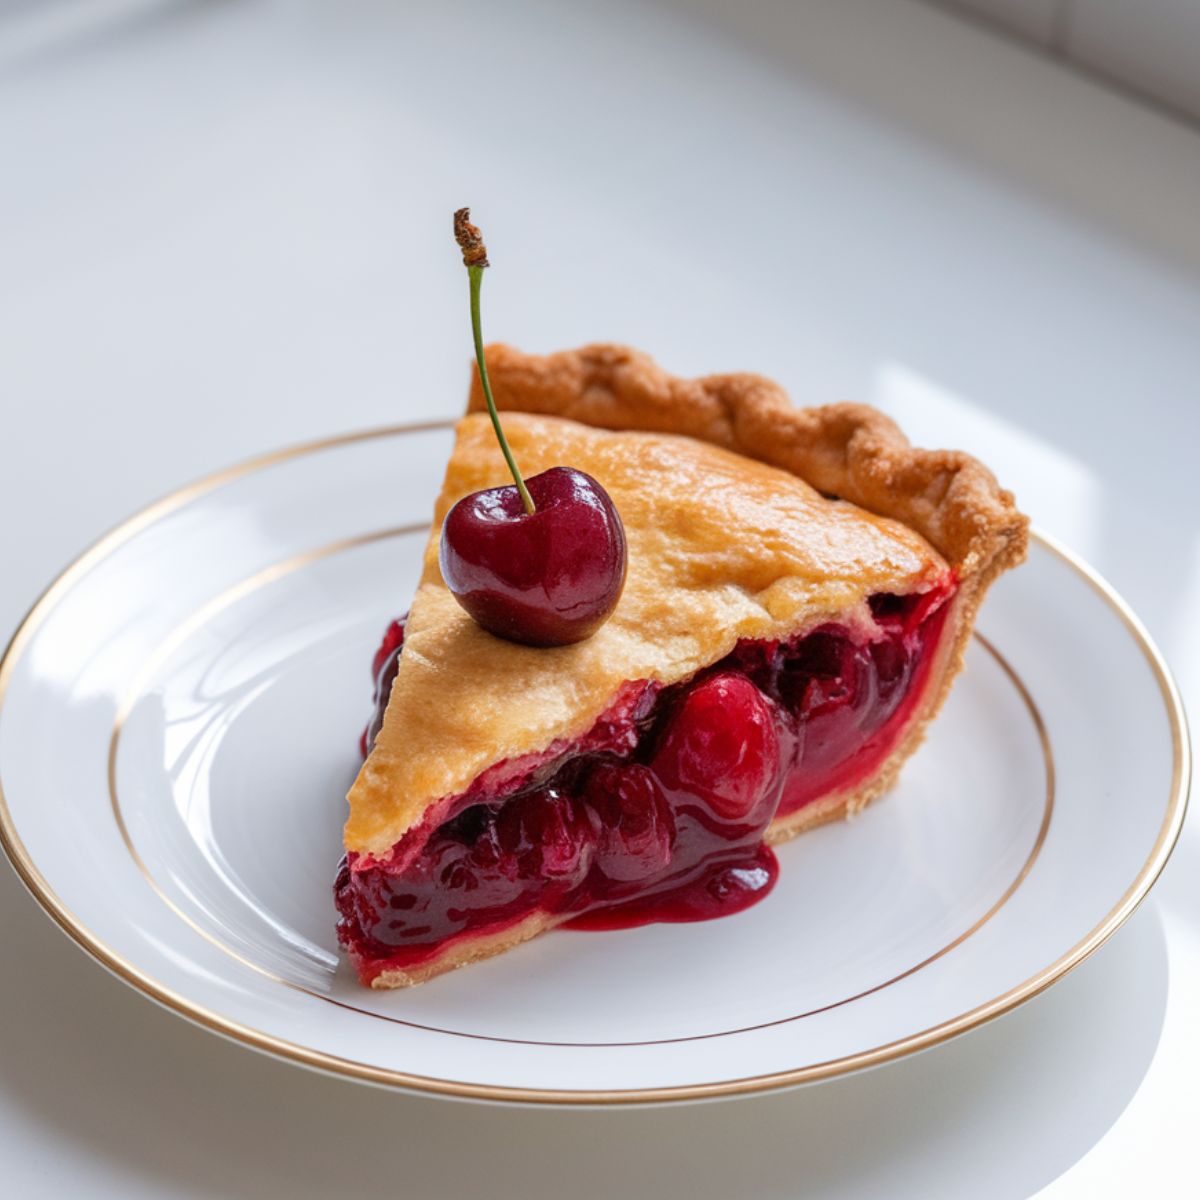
(225, 227)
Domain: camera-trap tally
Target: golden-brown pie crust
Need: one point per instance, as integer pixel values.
(850, 451)
(845, 451)
(721, 548)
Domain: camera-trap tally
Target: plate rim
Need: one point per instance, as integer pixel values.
(38, 886)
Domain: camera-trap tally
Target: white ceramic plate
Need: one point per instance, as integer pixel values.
(180, 717)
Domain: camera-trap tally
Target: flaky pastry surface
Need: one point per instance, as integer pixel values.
(721, 547)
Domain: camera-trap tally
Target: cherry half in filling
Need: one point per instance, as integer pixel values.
(657, 813)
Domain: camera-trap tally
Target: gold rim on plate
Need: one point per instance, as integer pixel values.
(39, 887)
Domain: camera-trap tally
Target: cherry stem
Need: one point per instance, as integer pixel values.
(475, 259)
(476, 276)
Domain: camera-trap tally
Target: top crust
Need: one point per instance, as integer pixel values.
(721, 547)
(939, 507)
(846, 450)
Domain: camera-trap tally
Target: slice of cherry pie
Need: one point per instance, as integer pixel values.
(801, 586)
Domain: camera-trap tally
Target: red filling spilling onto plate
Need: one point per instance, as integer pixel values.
(658, 812)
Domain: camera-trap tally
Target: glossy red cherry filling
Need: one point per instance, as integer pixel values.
(384, 666)
(659, 812)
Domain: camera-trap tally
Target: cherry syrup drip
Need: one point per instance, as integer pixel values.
(662, 817)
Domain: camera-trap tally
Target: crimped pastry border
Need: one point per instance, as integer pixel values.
(846, 450)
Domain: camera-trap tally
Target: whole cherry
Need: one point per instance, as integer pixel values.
(721, 747)
(542, 562)
(545, 578)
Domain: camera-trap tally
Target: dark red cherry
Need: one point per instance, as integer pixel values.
(393, 640)
(637, 825)
(384, 668)
(546, 578)
(721, 746)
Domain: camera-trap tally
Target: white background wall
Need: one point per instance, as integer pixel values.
(1150, 46)
(212, 241)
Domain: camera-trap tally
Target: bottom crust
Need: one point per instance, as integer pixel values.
(945, 669)
(461, 953)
